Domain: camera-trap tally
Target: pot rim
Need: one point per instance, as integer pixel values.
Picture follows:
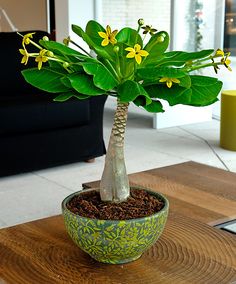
(70, 196)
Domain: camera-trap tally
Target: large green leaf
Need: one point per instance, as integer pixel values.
(155, 73)
(83, 84)
(102, 77)
(204, 90)
(45, 79)
(105, 52)
(129, 37)
(63, 97)
(66, 96)
(130, 90)
(174, 95)
(179, 58)
(154, 106)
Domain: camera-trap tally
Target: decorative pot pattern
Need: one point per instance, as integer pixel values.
(114, 241)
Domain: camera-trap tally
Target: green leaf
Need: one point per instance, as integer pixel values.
(154, 106)
(156, 46)
(129, 37)
(63, 97)
(92, 30)
(155, 73)
(185, 81)
(130, 90)
(57, 66)
(102, 77)
(174, 95)
(204, 90)
(65, 81)
(45, 79)
(83, 84)
(179, 58)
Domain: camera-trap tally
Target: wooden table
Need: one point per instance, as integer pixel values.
(189, 251)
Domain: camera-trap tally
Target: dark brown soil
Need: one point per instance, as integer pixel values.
(139, 204)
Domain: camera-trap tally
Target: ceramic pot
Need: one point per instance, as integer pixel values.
(114, 241)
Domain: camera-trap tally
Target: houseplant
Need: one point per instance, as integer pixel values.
(132, 69)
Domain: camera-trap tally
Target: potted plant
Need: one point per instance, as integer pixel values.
(133, 70)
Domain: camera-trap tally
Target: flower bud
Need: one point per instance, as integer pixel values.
(45, 38)
(116, 48)
(160, 38)
(66, 64)
(141, 22)
(50, 54)
(66, 41)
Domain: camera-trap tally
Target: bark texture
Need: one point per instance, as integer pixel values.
(114, 184)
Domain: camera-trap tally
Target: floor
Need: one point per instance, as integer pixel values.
(39, 194)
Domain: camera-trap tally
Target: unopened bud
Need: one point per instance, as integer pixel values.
(65, 64)
(45, 38)
(116, 48)
(160, 38)
(66, 41)
(141, 22)
(50, 54)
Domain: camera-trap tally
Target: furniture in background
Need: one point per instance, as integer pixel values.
(35, 131)
(190, 250)
(228, 120)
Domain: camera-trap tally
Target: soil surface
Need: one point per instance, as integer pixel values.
(138, 205)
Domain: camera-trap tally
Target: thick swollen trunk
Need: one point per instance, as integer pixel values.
(114, 184)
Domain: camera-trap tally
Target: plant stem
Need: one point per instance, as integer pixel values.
(81, 48)
(114, 184)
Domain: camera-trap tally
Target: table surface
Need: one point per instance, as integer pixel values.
(190, 250)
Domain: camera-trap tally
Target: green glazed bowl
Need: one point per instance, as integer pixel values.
(114, 241)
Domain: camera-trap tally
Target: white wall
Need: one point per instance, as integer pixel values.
(24, 14)
(70, 12)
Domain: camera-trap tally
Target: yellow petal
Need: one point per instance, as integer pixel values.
(175, 80)
(105, 41)
(164, 79)
(137, 47)
(219, 52)
(22, 51)
(143, 53)
(102, 34)
(114, 33)
(130, 54)
(138, 58)
(108, 30)
(169, 83)
(130, 49)
(227, 62)
(113, 40)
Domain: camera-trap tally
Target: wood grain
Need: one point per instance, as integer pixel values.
(201, 192)
(189, 250)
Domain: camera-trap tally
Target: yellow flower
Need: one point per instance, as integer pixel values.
(26, 38)
(219, 53)
(148, 29)
(25, 57)
(41, 58)
(226, 61)
(169, 81)
(136, 52)
(109, 36)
